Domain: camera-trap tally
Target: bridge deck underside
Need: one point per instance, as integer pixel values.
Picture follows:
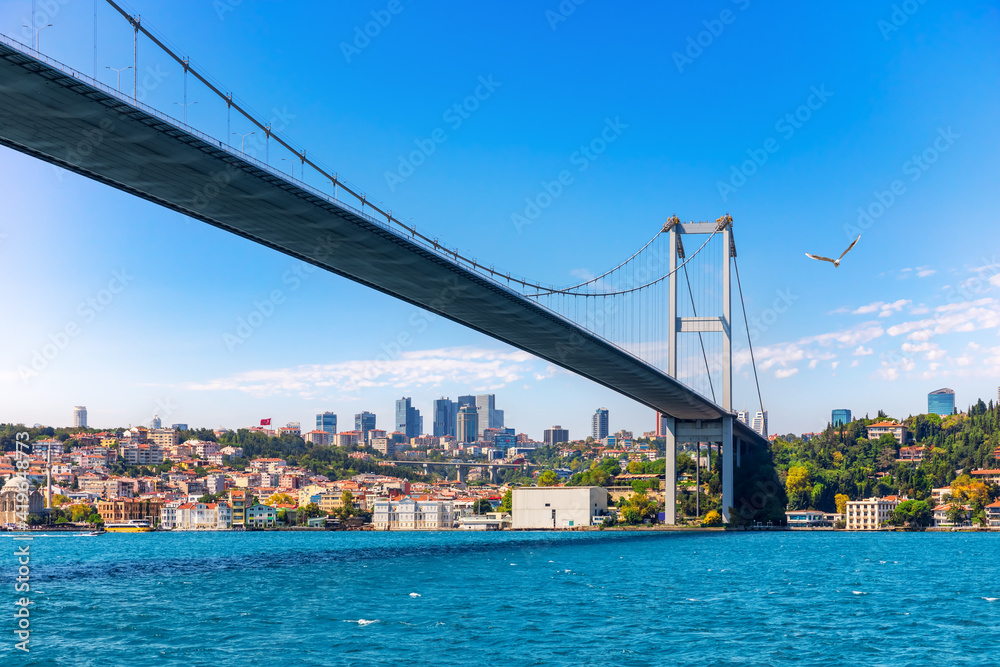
(46, 113)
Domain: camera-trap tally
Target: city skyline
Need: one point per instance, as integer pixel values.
(883, 329)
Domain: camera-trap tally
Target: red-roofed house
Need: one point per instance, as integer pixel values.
(878, 429)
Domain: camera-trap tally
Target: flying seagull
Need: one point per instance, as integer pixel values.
(835, 262)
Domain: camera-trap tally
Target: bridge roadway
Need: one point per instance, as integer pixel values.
(63, 117)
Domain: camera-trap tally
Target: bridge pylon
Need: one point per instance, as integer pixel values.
(719, 431)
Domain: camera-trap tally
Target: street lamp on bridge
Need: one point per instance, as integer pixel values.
(243, 141)
(118, 71)
(181, 104)
(37, 30)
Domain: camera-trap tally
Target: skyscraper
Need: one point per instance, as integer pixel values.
(155, 423)
(842, 416)
(364, 422)
(941, 402)
(327, 421)
(760, 423)
(486, 404)
(466, 400)
(555, 435)
(445, 417)
(468, 424)
(80, 416)
(408, 419)
(600, 424)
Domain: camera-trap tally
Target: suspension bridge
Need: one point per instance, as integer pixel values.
(656, 328)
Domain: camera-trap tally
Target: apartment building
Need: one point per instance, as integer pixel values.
(204, 516)
(878, 429)
(410, 514)
(128, 509)
(872, 513)
(142, 454)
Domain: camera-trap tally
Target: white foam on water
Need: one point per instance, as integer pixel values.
(364, 621)
(414, 595)
(859, 593)
(991, 599)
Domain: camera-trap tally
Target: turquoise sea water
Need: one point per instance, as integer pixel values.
(599, 598)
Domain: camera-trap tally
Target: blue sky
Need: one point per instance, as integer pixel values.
(881, 95)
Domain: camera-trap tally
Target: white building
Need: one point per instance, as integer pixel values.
(168, 514)
(80, 416)
(410, 514)
(202, 516)
(142, 454)
(215, 483)
(870, 514)
(558, 506)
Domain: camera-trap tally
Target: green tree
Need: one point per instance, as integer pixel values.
(957, 514)
(548, 478)
(481, 506)
(507, 501)
(912, 513)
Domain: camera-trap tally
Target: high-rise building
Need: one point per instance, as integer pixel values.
(759, 423)
(600, 424)
(155, 422)
(364, 422)
(743, 416)
(555, 435)
(842, 416)
(80, 416)
(468, 424)
(486, 405)
(941, 402)
(445, 417)
(179, 427)
(497, 419)
(466, 400)
(327, 421)
(408, 419)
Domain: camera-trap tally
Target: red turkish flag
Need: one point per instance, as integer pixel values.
(265, 422)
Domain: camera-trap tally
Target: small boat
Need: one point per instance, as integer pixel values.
(133, 526)
(92, 533)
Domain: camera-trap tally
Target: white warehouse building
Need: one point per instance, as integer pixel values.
(558, 506)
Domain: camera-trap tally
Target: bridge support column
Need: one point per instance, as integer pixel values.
(493, 474)
(727, 466)
(670, 472)
(463, 474)
(427, 469)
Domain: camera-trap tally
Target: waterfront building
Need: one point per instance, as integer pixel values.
(327, 421)
(872, 513)
(12, 505)
(840, 416)
(993, 515)
(555, 435)
(806, 519)
(941, 517)
(261, 516)
(408, 419)
(411, 514)
(168, 514)
(203, 516)
(121, 510)
(941, 402)
(600, 424)
(877, 430)
(239, 500)
(80, 416)
(468, 424)
(535, 507)
(365, 423)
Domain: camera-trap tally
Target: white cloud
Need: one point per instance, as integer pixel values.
(882, 308)
(862, 351)
(785, 372)
(855, 363)
(834, 365)
(474, 367)
(869, 309)
(923, 273)
(920, 310)
(813, 362)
